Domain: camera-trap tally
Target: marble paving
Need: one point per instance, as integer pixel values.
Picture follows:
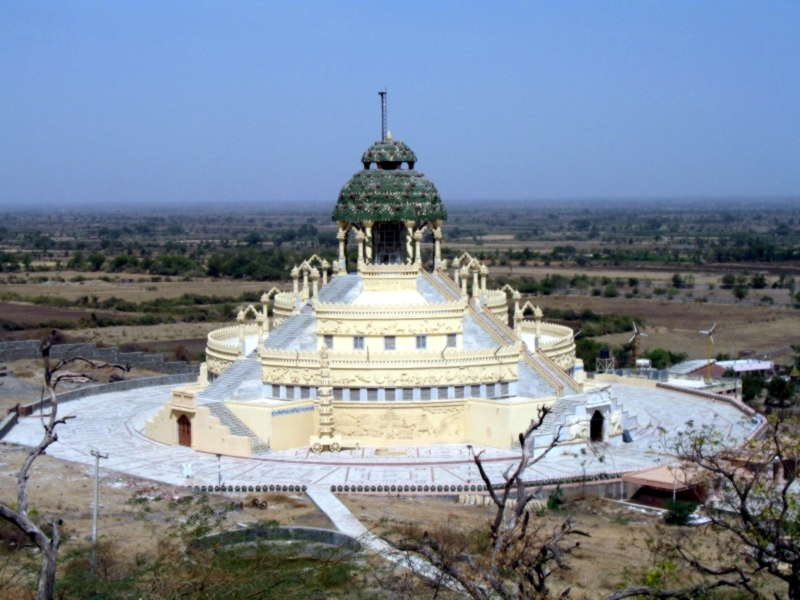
(114, 423)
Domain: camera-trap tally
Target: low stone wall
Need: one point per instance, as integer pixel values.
(329, 537)
(8, 423)
(95, 390)
(29, 350)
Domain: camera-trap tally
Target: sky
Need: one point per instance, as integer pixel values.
(129, 104)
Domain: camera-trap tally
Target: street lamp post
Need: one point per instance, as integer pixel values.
(97, 456)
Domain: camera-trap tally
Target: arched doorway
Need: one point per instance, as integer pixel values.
(184, 431)
(596, 427)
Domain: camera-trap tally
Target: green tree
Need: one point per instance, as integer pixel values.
(758, 281)
(96, 260)
(752, 386)
(740, 292)
(780, 392)
(659, 357)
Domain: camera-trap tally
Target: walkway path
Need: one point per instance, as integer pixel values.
(114, 423)
(345, 522)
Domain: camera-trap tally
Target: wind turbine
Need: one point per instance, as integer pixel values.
(709, 343)
(635, 340)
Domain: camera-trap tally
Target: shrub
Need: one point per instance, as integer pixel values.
(610, 291)
(556, 498)
(678, 512)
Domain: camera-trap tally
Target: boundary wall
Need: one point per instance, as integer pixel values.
(29, 350)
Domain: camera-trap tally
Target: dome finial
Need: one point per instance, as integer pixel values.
(383, 114)
(388, 136)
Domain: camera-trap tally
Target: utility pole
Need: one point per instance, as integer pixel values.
(97, 456)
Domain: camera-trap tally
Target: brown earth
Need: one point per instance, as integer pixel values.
(64, 489)
(616, 551)
(138, 290)
(32, 314)
(25, 379)
(674, 325)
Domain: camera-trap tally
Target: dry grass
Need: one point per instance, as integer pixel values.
(135, 292)
(62, 488)
(674, 325)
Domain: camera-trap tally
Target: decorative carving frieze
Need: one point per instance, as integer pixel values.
(402, 424)
(380, 327)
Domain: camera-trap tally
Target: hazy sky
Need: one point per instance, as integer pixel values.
(225, 102)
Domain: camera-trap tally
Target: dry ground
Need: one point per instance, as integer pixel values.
(24, 313)
(616, 552)
(617, 545)
(674, 325)
(137, 291)
(64, 489)
(25, 379)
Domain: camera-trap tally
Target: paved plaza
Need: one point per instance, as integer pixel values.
(114, 423)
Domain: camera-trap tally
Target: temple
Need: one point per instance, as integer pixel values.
(373, 350)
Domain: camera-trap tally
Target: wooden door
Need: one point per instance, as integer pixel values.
(184, 431)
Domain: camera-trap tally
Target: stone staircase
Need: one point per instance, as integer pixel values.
(553, 373)
(232, 422)
(429, 292)
(298, 332)
(532, 385)
(341, 290)
(564, 408)
(224, 386)
(475, 337)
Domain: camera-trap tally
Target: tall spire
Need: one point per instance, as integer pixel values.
(383, 114)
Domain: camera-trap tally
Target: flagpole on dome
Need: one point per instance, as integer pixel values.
(383, 114)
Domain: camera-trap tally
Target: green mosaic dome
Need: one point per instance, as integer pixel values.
(389, 151)
(389, 194)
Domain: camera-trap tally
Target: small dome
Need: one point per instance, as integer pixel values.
(390, 151)
(396, 195)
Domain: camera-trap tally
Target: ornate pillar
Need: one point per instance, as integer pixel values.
(260, 319)
(265, 311)
(537, 317)
(341, 235)
(455, 271)
(295, 276)
(325, 266)
(335, 269)
(417, 250)
(437, 243)
(314, 282)
(325, 437)
(360, 238)
(518, 315)
(409, 241)
(368, 241)
(240, 321)
(484, 271)
(464, 274)
(476, 289)
(305, 283)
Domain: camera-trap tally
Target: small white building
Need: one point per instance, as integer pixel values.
(748, 366)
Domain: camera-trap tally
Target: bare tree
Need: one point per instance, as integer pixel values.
(53, 376)
(522, 551)
(517, 544)
(752, 504)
